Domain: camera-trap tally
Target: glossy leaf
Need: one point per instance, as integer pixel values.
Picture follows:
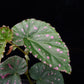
(5, 36)
(43, 42)
(43, 74)
(13, 65)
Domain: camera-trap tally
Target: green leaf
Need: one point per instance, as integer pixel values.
(13, 65)
(43, 74)
(43, 42)
(12, 79)
(5, 36)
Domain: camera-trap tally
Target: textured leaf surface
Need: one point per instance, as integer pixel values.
(5, 36)
(43, 42)
(43, 74)
(12, 79)
(13, 65)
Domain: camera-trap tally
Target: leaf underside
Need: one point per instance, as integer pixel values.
(5, 36)
(41, 39)
(43, 74)
(12, 67)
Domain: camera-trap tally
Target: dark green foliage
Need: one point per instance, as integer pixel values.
(12, 68)
(43, 74)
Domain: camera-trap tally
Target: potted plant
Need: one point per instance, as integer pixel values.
(44, 43)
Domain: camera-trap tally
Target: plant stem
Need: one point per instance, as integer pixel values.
(26, 61)
(29, 78)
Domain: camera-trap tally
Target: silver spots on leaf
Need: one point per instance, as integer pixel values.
(56, 68)
(52, 37)
(22, 30)
(39, 49)
(35, 28)
(29, 46)
(44, 62)
(17, 34)
(35, 56)
(61, 51)
(48, 57)
(64, 60)
(27, 26)
(58, 50)
(50, 65)
(30, 51)
(47, 35)
(59, 65)
(49, 46)
(45, 27)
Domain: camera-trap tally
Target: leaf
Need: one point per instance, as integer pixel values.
(10, 50)
(43, 74)
(5, 36)
(43, 42)
(12, 79)
(13, 65)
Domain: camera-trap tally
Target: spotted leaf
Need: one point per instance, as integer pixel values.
(43, 74)
(12, 79)
(43, 42)
(13, 65)
(5, 36)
